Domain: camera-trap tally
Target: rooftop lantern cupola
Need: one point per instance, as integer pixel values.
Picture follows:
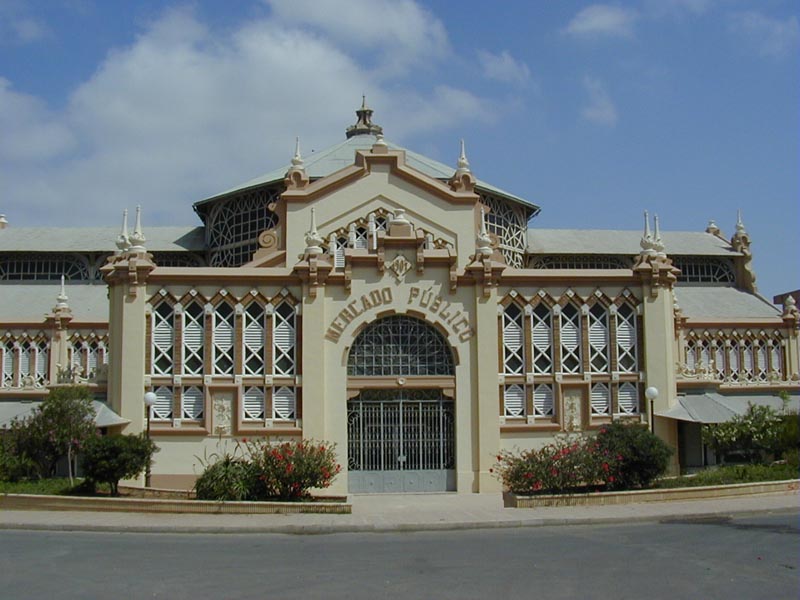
(364, 125)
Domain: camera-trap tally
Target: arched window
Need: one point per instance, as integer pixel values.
(400, 345)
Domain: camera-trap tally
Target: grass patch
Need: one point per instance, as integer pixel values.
(731, 474)
(50, 487)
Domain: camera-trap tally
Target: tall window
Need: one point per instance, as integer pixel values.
(542, 338)
(571, 355)
(283, 339)
(599, 359)
(254, 329)
(223, 333)
(163, 338)
(193, 339)
(626, 339)
(513, 340)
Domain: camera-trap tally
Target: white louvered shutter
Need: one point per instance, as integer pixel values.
(543, 400)
(192, 403)
(254, 338)
(163, 339)
(601, 399)
(193, 339)
(223, 339)
(542, 339)
(626, 339)
(513, 340)
(283, 339)
(253, 404)
(162, 409)
(598, 339)
(514, 400)
(283, 400)
(570, 339)
(628, 399)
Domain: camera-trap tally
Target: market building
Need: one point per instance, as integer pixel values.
(403, 309)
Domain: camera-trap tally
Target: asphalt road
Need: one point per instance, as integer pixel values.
(754, 557)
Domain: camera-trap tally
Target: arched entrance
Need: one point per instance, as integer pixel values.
(401, 414)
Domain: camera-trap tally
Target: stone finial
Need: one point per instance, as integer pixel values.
(647, 243)
(658, 244)
(740, 230)
(364, 125)
(712, 228)
(380, 146)
(137, 238)
(3, 222)
(314, 240)
(462, 180)
(483, 242)
(123, 242)
(790, 307)
(297, 159)
(61, 299)
(296, 177)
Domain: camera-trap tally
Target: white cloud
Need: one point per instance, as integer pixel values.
(602, 20)
(660, 8)
(771, 37)
(184, 113)
(401, 31)
(29, 30)
(503, 67)
(600, 110)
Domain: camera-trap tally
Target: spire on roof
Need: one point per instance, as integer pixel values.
(137, 238)
(483, 242)
(462, 180)
(364, 125)
(463, 163)
(297, 159)
(658, 244)
(123, 242)
(740, 230)
(3, 222)
(296, 177)
(712, 228)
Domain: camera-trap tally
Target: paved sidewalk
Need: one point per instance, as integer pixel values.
(401, 512)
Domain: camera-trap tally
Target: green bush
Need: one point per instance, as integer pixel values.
(563, 466)
(733, 474)
(107, 459)
(640, 455)
(229, 478)
(259, 470)
(762, 433)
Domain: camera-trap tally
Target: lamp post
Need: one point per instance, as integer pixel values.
(651, 394)
(149, 401)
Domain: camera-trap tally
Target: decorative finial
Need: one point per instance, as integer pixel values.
(712, 227)
(61, 299)
(739, 223)
(137, 238)
(463, 163)
(399, 217)
(483, 241)
(646, 243)
(313, 239)
(123, 243)
(297, 159)
(3, 222)
(658, 244)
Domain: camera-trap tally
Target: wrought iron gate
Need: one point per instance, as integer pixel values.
(400, 441)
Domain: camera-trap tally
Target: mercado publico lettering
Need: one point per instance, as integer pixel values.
(449, 314)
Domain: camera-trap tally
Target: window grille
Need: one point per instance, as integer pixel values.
(691, 355)
(513, 340)
(177, 259)
(27, 359)
(509, 222)
(192, 403)
(514, 400)
(628, 399)
(163, 324)
(748, 361)
(706, 357)
(719, 360)
(776, 356)
(283, 339)
(162, 409)
(627, 361)
(733, 361)
(254, 333)
(543, 400)
(570, 322)
(761, 362)
(233, 226)
(542, 338)
(283, 403)
(43, 266)
(598, 339)
(253, 403)
(193, 339)
(223, 336)
(579, 261)
(8, 351)
(701, 269)
(400, 345)
(601, 399)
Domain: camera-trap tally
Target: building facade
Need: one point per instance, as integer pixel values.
(403, 309)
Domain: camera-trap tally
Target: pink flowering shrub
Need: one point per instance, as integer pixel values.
(259, 470)
(563, 466)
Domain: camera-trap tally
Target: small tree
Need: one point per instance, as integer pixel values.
(641, 455)
(67, 417)
(107, 459)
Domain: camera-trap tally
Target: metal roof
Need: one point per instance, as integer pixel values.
(626, 242)
(712, 407)
(96, 239)
(722, 302)
(323, 163)
(30, 302)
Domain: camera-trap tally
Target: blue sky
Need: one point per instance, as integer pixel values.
(595, 111)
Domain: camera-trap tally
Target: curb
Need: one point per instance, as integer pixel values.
(319, 529)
